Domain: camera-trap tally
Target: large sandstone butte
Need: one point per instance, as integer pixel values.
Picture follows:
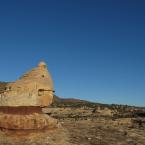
(22, 101)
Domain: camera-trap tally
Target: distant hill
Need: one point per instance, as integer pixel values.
(68, 100)
(71, 102)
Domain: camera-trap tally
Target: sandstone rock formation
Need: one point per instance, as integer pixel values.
(21, 102)
(35, 88)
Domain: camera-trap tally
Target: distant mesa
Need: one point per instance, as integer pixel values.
(21, 101)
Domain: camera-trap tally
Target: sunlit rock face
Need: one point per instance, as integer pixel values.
(22, 101)
(35, 88)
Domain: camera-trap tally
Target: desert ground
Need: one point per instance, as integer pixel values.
(77, 133)
(83, 123)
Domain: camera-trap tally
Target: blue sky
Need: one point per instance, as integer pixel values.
(95, 49)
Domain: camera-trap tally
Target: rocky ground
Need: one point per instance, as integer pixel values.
(82, 132)
(85, 126)
(96, 133)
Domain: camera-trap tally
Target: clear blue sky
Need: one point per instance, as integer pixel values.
(95, 49)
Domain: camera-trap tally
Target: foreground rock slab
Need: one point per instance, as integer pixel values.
(33, 121)
(83, 132)
(57, 136)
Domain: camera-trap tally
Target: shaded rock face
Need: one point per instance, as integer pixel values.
(21, 102)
